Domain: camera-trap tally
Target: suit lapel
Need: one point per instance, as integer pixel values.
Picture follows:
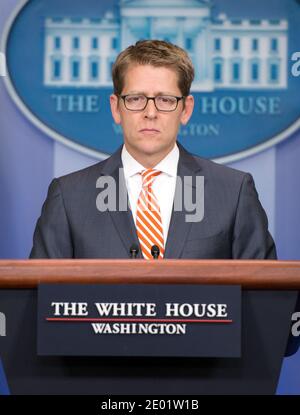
(179, 227)
(122, 219)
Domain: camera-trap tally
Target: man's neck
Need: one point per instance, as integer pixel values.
(149, 160)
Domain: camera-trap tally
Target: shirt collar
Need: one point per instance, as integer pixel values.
(167, 165)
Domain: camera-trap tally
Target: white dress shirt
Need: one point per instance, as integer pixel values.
(163, 186)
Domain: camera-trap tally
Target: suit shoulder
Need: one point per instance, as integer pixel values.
(82, 175)
(220, 171)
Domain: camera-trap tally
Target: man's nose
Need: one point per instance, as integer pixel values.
(150, 110)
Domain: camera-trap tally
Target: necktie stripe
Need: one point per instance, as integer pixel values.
(147, 221)
(150, 213)
(148, 244)
(150, 225)
(145, 240)
(154, 237)
(150, 175)
(149, 181)
(147, 204)
(146, 251)
(152, 203)
(148, 217)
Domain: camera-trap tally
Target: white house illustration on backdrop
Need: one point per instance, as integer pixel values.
(227, 53)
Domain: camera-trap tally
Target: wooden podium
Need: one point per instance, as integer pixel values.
(269, 293)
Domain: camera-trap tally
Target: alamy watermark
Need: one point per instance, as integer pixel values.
(296, 66)
(296, 326)
(2, 325)
(2, 64)
(189, 196)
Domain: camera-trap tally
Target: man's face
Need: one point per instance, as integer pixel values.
(149, 135)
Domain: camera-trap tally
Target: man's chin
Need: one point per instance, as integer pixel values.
(152, 150)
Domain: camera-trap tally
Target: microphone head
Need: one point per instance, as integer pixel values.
(155, 251)
(133, 250)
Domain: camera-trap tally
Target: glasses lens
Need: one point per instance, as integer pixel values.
(166, 103)
(135, 102)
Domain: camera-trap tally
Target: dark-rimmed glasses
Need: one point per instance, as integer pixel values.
(138, 102)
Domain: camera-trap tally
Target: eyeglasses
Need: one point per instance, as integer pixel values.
(165, 103)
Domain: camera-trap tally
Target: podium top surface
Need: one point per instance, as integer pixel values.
(250, 274)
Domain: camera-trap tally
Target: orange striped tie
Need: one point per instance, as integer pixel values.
(148, 218)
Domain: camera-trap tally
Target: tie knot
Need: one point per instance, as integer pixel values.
(148, 176)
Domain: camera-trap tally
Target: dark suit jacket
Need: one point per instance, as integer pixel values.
(234, 224)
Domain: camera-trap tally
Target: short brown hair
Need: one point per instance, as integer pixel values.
(157, 53)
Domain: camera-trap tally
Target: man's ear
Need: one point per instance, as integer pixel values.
(188, 109)
(115, 110)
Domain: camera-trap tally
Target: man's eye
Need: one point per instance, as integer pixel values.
(166, 100)
(135, 98)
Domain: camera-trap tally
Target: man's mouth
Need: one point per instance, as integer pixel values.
(149, 130)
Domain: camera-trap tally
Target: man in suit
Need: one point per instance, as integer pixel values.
(151, 99)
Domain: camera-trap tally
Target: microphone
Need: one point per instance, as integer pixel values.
(155, 251)
(133, 251)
